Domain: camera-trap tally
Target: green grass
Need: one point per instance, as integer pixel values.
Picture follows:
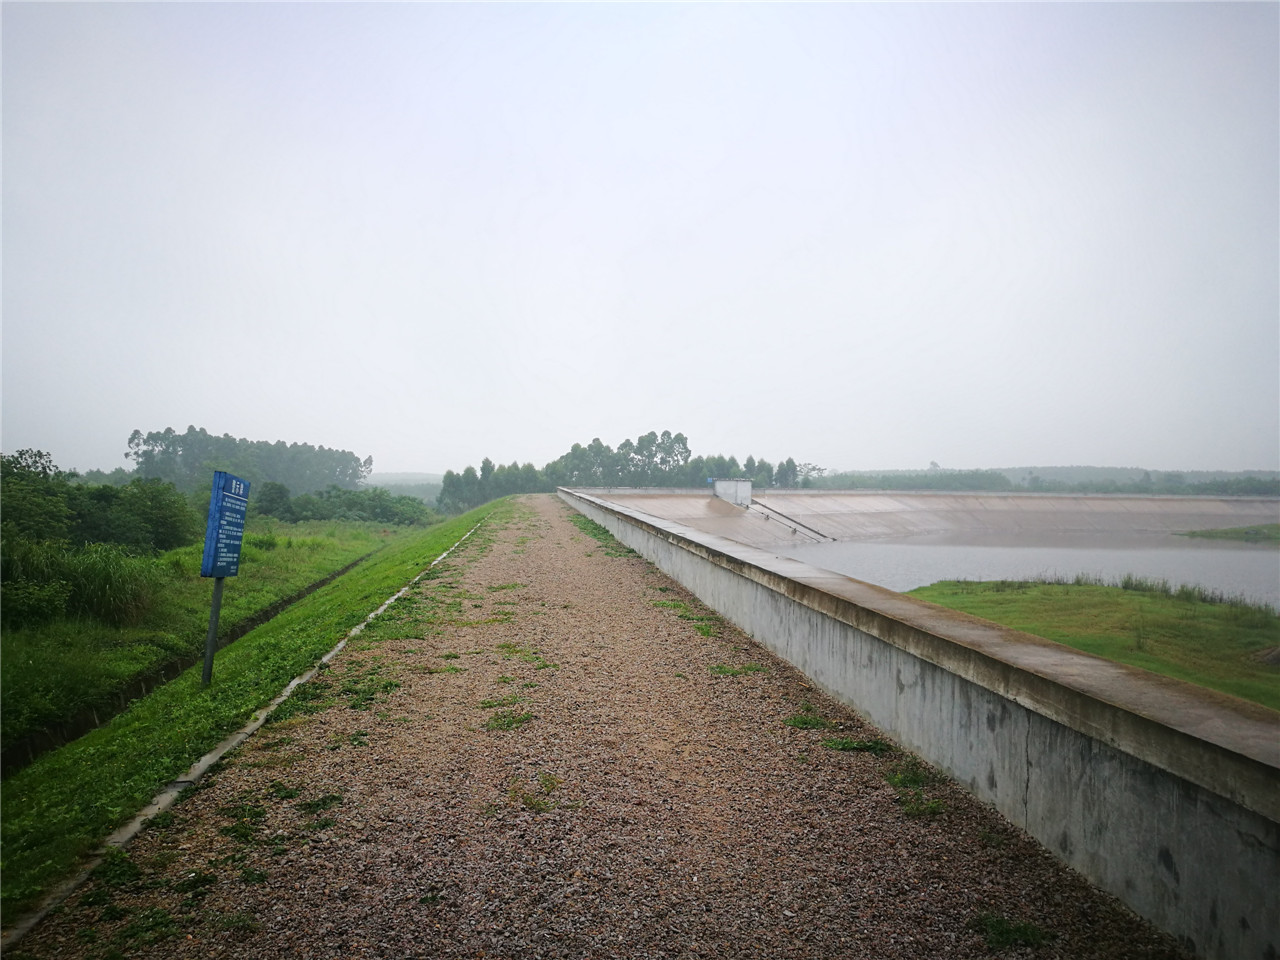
(612, 547)
(876, 747)
(807, 721)
(909, 778)
(538, 800)
(528, 655)
(703, 620)
(61, 807)
(1001, 932)
(1182, 633)
(725, 670)
(327, 802)
(55, 670)
(1265, 533)
(494, 702)
(507, 720)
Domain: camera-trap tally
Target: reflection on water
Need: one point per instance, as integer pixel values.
(1235, 569)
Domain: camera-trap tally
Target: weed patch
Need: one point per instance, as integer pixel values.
(724, 670)
(507, 720)
(239, 923)
(149, 927)
(705, 622)
(516, 651)
(808, 721)
(116, 870)
(876, 747)
(195, 882)
(612, 547)
(493, 702)
(1001, 932)
(327, 802)
(538, 799)
(909, 778)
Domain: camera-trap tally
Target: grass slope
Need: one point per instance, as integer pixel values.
(1176, 633)
(53, 671)
(61, 807)
(1266, 533)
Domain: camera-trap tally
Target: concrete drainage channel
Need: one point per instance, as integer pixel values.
(166, 798)
(25, 752)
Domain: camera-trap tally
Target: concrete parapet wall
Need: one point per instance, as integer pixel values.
(1160, 792)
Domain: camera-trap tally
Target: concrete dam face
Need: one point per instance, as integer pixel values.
(1161, 792)
(908, 540)
(778, 517)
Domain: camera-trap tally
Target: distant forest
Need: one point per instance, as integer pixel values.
(665, 460)
(70, 546)
(188, 459)
(289, 481)
(652, 460)
(1134, 482)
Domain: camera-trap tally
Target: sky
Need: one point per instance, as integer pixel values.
(866, 236)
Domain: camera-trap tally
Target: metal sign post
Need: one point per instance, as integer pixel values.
(222, 537)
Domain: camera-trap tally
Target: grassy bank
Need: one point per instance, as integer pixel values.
(1180, 633)
(55, 670)
(1265, 533)
(62, 806)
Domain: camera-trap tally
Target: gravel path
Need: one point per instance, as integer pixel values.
(648, 800)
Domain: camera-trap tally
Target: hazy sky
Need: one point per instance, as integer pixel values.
(865, 236)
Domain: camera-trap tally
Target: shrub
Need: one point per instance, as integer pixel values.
(42, 580)
(24, 602)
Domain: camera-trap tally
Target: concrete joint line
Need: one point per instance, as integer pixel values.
(166, 797)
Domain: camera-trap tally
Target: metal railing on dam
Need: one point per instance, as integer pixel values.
(1161, 792)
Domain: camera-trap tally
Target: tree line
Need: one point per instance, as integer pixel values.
(665, 460)
(1147, 483)
(72, 549)
(375, 504)
(70, 546)
(188, 459)
(652, 460)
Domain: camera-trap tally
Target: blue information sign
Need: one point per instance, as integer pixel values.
(225, 530)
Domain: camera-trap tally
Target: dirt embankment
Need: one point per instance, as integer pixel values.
(549, 749)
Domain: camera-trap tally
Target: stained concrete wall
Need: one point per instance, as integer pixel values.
(1163, 793)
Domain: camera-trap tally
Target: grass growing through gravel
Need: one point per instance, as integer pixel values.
(516, 651)
(493, 702)
(507, 720)
(808, 719)
(612, 547)
(1178, 632)
(909, 778)
(1001, 932)
(704, 621)
(61, 807)
(876, 747)
(539, 799)
(725, 670)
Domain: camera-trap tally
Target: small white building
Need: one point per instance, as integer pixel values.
(735, 491)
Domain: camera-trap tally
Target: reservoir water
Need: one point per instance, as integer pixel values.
(1247, 570)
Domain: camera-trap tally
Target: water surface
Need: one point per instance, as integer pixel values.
(1229, 567)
